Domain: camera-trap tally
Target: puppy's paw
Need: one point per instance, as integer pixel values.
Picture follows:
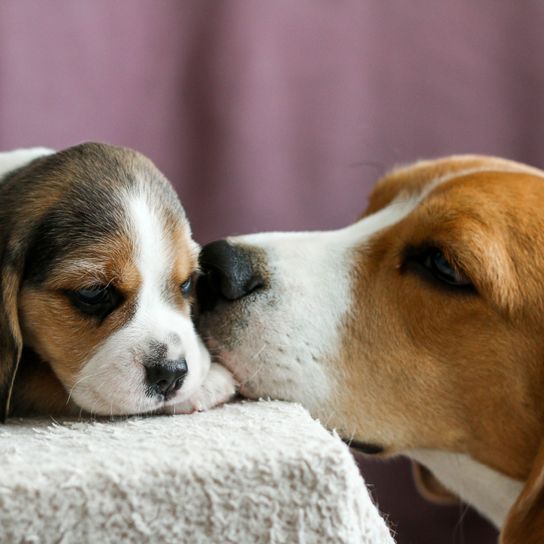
(218, 387)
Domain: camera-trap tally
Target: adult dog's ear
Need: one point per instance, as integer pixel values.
(408, 180)
(11, 343)
(412, 179)
(525, 521)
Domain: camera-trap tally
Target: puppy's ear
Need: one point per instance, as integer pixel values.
(10, 333)
(525, 521)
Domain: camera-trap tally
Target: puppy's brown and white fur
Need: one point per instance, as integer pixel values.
(417, 330)
(96, 261)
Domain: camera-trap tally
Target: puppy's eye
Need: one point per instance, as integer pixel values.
(92, 295)
(187, 287)
(98, 300)
(443, 270)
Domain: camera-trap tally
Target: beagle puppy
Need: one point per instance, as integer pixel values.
(97, 271)
(418, 330)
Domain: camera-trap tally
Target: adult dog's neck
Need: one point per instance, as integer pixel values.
(488, 491)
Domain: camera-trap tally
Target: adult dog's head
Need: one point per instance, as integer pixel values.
(419, 329)
(97, 263)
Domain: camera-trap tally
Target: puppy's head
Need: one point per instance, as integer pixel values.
(420, 326)
(97, 270)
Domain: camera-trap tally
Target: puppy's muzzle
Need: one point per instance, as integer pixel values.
(166, 378)
(229, 274)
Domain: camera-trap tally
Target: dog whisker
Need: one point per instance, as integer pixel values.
(82, 379)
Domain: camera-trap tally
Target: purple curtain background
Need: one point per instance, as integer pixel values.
(281, 115)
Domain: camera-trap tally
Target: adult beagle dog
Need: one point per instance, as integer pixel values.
(418, 330)
(97, 267)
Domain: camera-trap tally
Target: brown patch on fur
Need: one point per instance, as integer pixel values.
(413, 178)
(56, 330)
(39, 391)
(429, 367)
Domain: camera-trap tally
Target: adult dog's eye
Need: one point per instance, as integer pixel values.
(443, 270)
(187, 287)
(98, 300)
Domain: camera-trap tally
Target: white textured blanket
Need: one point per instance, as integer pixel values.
(248, 472)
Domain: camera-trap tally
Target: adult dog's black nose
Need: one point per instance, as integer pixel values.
(167, 377)
(229, 273)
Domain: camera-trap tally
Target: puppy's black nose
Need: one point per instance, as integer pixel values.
(229, 273)
(166, 378)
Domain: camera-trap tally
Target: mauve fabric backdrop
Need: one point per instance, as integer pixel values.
(281, 115)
